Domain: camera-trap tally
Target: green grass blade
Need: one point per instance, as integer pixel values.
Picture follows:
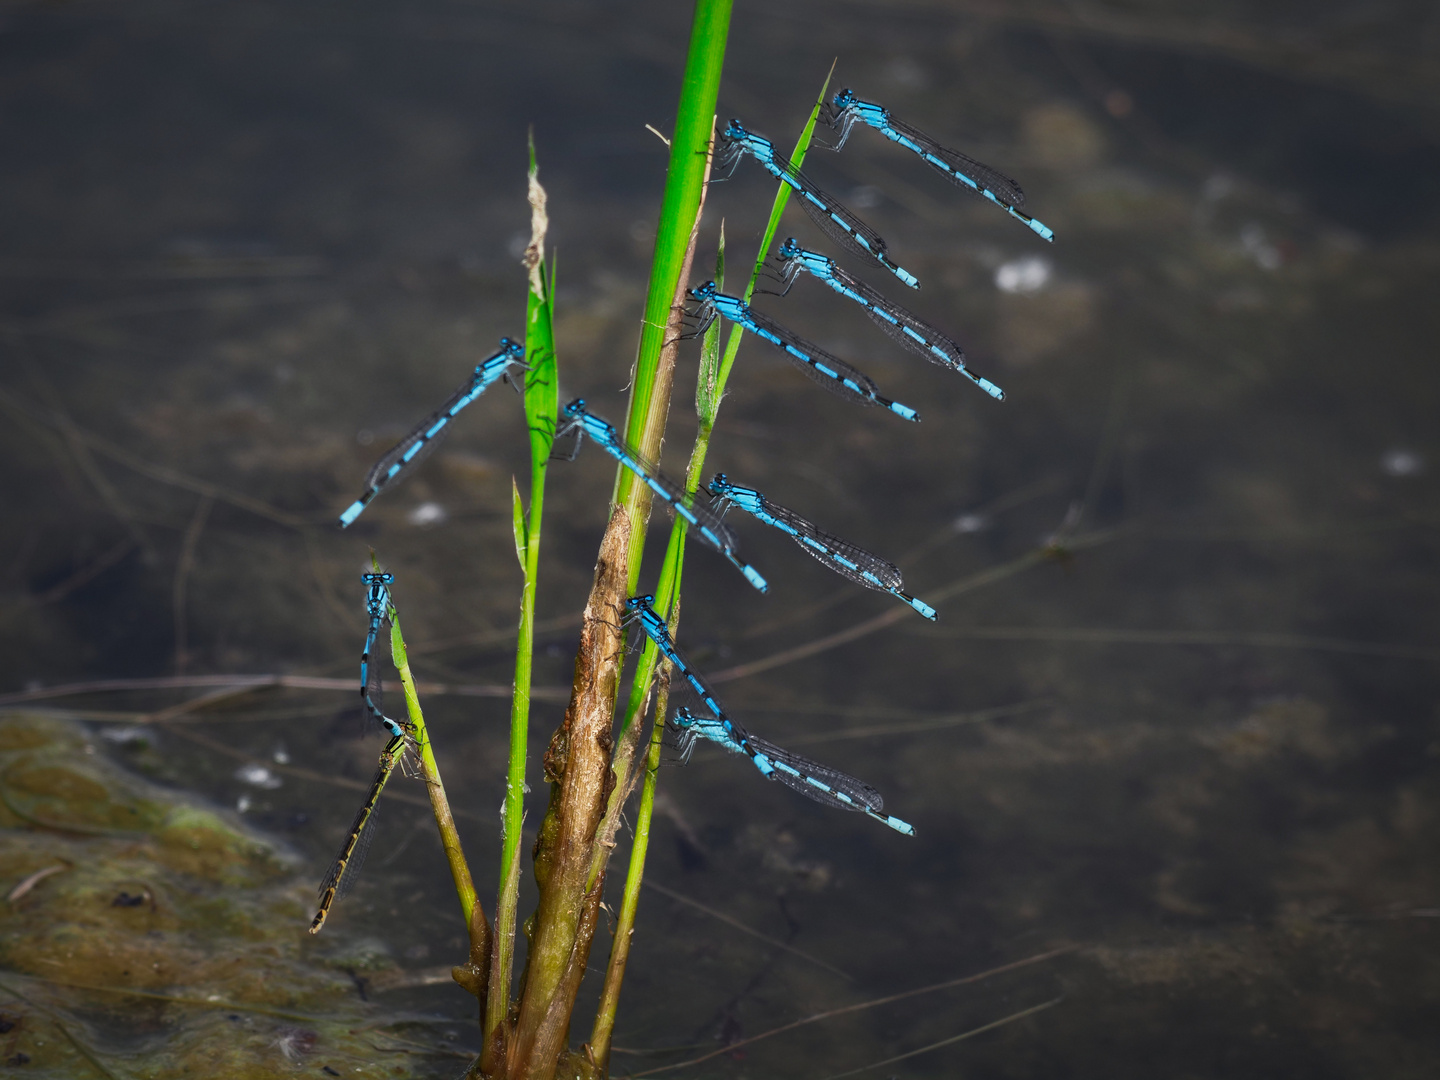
(517, 523)
(689, 150)
(541, 401)
(782, 197)
(439, 802)
(707, 384)
(714, 372)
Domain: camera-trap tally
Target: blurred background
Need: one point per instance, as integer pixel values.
(1178, 714)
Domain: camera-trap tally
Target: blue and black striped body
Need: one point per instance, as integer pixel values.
(377, 606)
(405, 455)
(641, 609)
(960, 169)
(845, 558)
(706, 526)
(837, 222)
(905, 327)
(827, 786)
(829, 371)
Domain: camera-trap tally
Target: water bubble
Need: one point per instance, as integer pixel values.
(1253, 241)
(1217, 186)
(426, 514)
(866, 196)
(971, 523)
(1402, 463)
(258, 776)
(1027, 274)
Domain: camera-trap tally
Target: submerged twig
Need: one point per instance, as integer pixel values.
(862, 1005)
(1021, 1015)
(257, 682)
(729, 920)
(956, 588)
(183, 566)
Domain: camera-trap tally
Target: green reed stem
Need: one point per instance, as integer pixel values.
(684, 184)
(541, 398)
(604, 1027)
(710, 389)
(439, 802)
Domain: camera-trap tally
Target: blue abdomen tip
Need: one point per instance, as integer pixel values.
(905, 411)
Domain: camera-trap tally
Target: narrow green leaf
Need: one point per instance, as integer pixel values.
(541, 399)
(689, 146)
(782, 197)
(517, 522)
(707, 401)
(541, 386)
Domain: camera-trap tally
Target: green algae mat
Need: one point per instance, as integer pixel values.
(144, 934)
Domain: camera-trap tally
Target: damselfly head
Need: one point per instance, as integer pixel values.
(378, 579)
(735, 130)
(575, 408)
(845, 98)
(514, 348)
(719, 485)
(706, 291)
(791, 249)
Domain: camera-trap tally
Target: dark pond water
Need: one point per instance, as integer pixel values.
(244, 245)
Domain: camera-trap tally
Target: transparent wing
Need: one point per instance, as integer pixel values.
(1003, 187)
(345, 874)
(830, 549)
(866, 394)
(923, 335)
(675, 495)
(847, 228)
(419, 444)
(820, 782)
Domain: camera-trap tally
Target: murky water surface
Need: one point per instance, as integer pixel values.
(1197, 745)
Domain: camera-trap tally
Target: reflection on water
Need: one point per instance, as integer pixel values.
(1197, 742)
